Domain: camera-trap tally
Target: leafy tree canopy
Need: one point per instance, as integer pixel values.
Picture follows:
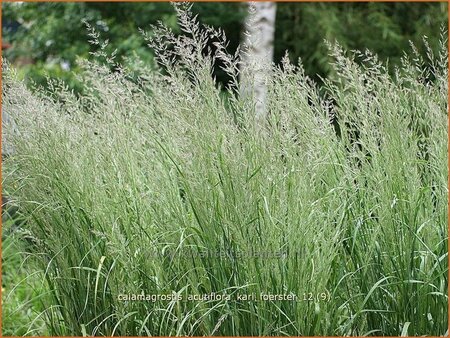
(47, 37)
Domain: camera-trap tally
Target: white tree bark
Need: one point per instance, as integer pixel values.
(257, 53)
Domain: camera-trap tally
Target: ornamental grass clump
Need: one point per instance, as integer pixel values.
(157, 185)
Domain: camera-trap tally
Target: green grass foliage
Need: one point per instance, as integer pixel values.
(163, 183)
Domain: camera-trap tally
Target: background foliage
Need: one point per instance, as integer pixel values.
(47, 37)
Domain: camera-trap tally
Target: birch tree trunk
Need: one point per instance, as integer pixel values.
(257, 53)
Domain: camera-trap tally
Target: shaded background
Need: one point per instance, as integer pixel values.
(45, 38)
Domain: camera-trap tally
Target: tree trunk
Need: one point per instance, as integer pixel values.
(257, 53)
